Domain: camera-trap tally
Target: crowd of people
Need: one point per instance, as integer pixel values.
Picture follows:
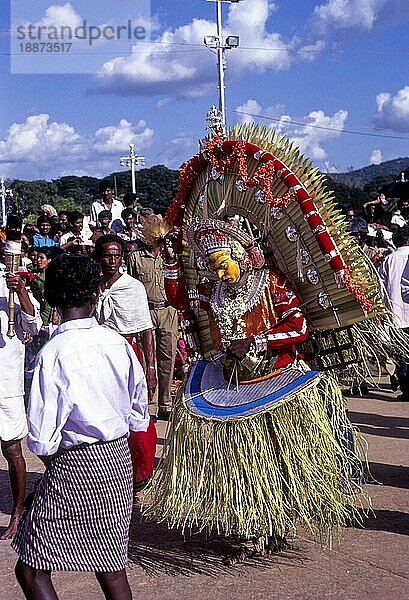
(382, 231)
(374, 225)
(137, 233)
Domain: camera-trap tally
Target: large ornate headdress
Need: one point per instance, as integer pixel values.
(282, 200)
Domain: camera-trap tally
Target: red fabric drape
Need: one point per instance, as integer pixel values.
(142, 445)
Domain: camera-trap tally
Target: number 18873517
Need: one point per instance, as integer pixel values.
(39, 47)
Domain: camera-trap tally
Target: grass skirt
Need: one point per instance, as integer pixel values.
(261, 476)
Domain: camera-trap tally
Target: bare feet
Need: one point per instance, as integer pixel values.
(14, 521)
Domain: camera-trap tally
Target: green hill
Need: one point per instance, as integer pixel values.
(386, 172)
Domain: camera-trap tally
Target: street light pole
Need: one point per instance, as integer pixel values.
(221, 63)
(216, 42)
(132, 161)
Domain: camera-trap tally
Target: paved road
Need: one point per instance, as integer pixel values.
(367, 564)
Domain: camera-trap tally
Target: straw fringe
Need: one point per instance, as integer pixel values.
(377, 341)
(262, 475)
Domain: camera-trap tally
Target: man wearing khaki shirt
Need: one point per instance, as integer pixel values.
(146, 264)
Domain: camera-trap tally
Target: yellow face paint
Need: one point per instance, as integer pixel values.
(224, 266)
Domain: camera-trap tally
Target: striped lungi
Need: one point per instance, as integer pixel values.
(80, 516)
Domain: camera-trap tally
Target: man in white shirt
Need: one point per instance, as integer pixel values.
(13, 426)
(401, 214)
(88, 392)
(394, 273)
(108, 202)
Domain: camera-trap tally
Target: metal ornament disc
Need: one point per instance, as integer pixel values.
(215, 174)
(259, 196)
(240, 185)
(291, 233)
(277, 213)
(312, 276)
(323, 300)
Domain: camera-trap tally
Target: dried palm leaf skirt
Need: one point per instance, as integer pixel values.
(264, 473)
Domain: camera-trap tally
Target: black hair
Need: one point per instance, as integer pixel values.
(129, 198)
(74, 216)
(358, 225)
(43, 219)
(104, 185)
(110, 238)
(400, 237)
(63, 212)
(71, 280)
(127, 212)
(105, 213)
(50, 252)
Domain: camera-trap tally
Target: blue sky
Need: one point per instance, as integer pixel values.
(331, 74)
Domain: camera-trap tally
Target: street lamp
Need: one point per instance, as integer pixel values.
(132, 161)
(216, 42)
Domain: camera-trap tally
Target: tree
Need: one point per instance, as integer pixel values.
(345, 196)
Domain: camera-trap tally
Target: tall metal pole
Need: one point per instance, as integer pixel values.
(220, 62)
(132, 155)
(3, 203)
(133, 160)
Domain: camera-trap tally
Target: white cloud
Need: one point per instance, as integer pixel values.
(249, 110)
(116, 138)
(39, 148)
(336, 15)
(393, 111)
(309, 133)
(177, 64)
(346, 14)
(376, 157)
(309, 52)
(275, 113)
(39, 140)
(168, 66)
(163, 102)
(319, 128)
(60, 16)
(63, 20)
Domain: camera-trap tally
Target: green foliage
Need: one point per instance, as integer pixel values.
(30, 195)
(82, 190)
(378, 182)
(345, 196)
(363, 177)
(156, 187)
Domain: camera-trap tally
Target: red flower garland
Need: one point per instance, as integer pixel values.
(262, 177)
(357, 290)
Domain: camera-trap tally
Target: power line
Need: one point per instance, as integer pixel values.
(315, 126)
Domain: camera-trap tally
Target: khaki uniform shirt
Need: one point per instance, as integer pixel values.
(149, 270)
